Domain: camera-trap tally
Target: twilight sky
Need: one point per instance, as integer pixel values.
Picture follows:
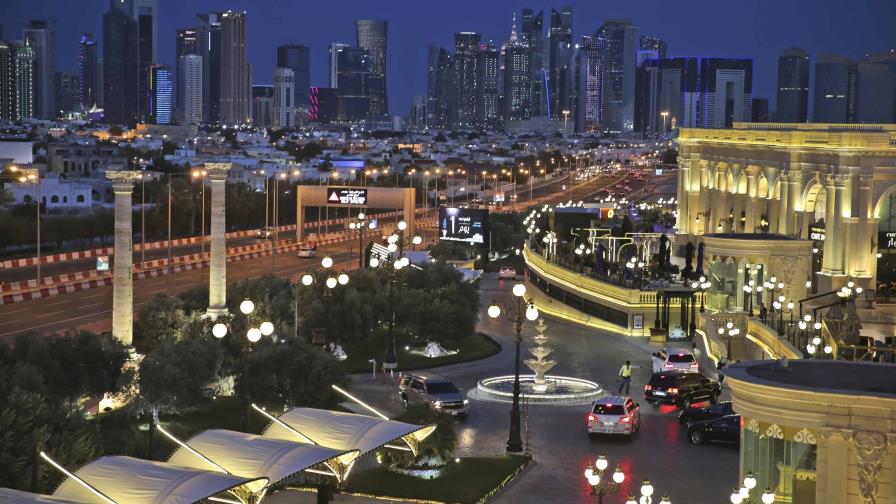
(759, 29)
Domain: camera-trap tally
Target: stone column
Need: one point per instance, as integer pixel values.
(122, 273)
(794, 223)
(784, 209)
(751, 202)
(682, 223)
(834, 242)
(217, 276)
(863, 257)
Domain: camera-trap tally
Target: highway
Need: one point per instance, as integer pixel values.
(93, 307)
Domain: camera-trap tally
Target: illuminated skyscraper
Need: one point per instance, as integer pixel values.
(793, 86)
(25, 72)
(372, 36)
(189, 86)
(284, 98)
(616, 41)
(297, 57)
(517, 78)
(235, 81)
(161, 94)
(88, 71)
(353, 82)
(650, 43)
(532, 34)
(487, 94)
(7, 81)
(333, 57)
(726, 88)
(560, 62)
(466, 74)
(42, 40)
(209, 46)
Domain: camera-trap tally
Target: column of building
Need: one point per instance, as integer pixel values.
(834, 242)
(752, 200)
(217, 277)
(737, 199)
(123, 274)
(862, 260)
(796, 224)
(783, 203)
(682, 222)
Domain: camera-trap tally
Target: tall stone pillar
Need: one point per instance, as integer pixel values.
(123, 271)
(682, 223)
(217, 277)
(751, 203)
(794, 223)
(834, 242)
(864, 246)
(784, 209)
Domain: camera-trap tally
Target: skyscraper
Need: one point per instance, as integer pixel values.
(590, 77)
(466, 58)
(88, 71)
(876, 89)
(441, 95)
(323, 105)
(42, 40)
(487, 106)
(793, 86)
(616, 41)
(161, 94)
(532, 34)
(646, 91)
(67, 91)
(372, 37)
(353, 80)
(263, 106)
(727, 91)
(187, 42)
(679, 93)
(120, 73)
(832, 76)
(26, 61)
(189, 89)
(7, 81)
(650, 43)
(297, 57)
(333, 57)
(209, 41)
(145, 15)
(284, 96)
(517, 78)
(234, 77)
(560, 61)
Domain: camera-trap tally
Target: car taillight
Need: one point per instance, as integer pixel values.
(592, 418)
(648, 387)
(694, 365)
(625, 419)
(673, 390)
(669, 366)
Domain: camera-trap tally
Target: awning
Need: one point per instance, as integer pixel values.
(10, 496)
(346, 431)
(250, 455)
(127, 480)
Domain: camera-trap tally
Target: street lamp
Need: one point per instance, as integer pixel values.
(741, 495)
(390, 361)
(647, 495)
(600, 485)
(527, 310)
(32, 175)
(308, 280)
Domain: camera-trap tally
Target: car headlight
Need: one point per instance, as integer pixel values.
(438, 404)
(466, 402)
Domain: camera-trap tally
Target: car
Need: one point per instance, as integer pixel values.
(667, 359)
(681, 389)
(725, 429)
(438, 392)
(692, 414)
(507, 273)
(614, 415)
(307, 251)
(265, 233)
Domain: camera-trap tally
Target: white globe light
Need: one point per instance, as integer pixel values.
(618, 476)
(519, 290)
(266, 328)
(750, 481)
(327, 262)
(810, 348)
(744, 492)
(247, 307)
(372, 225)
(351, 225)
(828, 349)
(392, 247)
(417, 240)
(646, 489)
(331, 282)
(601, 463)
(406, 261)
(342, 279)
(361, 215)
(494, 311)
(594, 479)
(817, 325)
(816, 341)
(589, 471)
(402, 225)
(307, 279)
(768, 497)
(219, 330)
(253, 335)
(532, 313)
(374, 262)
(735, 497)
(398, 264)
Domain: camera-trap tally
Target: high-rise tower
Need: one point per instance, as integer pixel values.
(560, 63)
(372, 36)
(235, 84)
(41, 37)
(88, 71)
(297, 57)
(466, 58)
(517, 78)
(793, 86)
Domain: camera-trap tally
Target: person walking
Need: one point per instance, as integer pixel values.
(625, 373)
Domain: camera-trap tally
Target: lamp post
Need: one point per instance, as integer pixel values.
(732, 331)
(600, 485)
(748, 296)
(32, 175)
(253, 335)
(647, 495)
(200, 175)
(331, 282)
(741, 495)
(390, 361)
(664, 115)
(524, 310)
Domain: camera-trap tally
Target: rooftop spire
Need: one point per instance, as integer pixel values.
(513, 28)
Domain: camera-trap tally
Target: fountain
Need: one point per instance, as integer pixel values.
(539, 388)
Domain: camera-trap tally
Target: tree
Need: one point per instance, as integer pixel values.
(173, 378)
(159, 319)
(670, 156)
(436, 449)
(293, 373)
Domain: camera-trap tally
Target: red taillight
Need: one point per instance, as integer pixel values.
(591, 418)
(648, 387)
(694, 365)
(625, 419)
(669, 366)
(673, 391)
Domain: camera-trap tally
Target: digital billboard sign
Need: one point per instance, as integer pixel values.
(351, 196)
(467, 225)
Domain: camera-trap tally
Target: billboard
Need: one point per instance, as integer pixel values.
(468, 225)
(350, 196)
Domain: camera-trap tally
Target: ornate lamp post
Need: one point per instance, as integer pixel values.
(391, 359)
(748, 296)
(331, 282)
(524, 310)
(600, 485)
(253, 335)
(742, 495)
(647, 495)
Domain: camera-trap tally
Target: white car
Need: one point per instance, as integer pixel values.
(307, 251)
(614, 415)
(507, 273)
(668, 359)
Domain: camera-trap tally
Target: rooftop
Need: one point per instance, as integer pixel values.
(751, 236)
(838, 377)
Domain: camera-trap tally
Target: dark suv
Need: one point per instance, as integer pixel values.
(681, 389)
(439, 393)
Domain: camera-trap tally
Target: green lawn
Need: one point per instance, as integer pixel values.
(474, 347)
(465, 482)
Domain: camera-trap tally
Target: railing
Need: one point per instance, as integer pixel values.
(768, 339)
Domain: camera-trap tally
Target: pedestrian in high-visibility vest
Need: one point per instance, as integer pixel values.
(626, 374)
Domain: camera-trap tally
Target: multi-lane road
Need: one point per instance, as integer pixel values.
(92, 308)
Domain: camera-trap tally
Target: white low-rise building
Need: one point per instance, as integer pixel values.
(55, 193)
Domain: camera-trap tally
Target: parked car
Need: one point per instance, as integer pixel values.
(721, 430)
(438, 392)
(692, 414)
(674, 358)
(307, 251)
(614, 415)
(507, 273)
(681, 389)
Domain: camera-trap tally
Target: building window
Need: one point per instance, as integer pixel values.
(54, 199)
(783, 458)
(65, 199)
(80, 198)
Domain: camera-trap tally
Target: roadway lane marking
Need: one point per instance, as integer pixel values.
(44, 315)
(57, 322)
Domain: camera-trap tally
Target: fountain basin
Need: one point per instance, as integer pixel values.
(558, 390)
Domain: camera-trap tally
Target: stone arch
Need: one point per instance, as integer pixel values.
(882, 189)
(762, 187)
(54, 199)
(776, 189)
(729, 182)
(741, 187)
(814, 199)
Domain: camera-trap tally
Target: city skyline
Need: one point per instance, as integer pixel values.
(852, 32)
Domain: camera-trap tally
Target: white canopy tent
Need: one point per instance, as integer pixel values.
(250, 455)
(127, 480)
(10, 496)
(346, 431)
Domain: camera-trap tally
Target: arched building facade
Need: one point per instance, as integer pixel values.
(830, 183)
